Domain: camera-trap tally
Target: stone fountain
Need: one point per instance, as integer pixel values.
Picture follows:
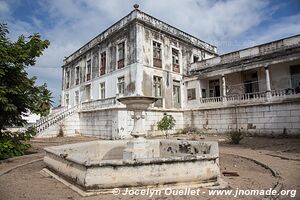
(102, 165)
(138, 147)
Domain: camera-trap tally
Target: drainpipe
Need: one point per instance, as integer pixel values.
(268, 83)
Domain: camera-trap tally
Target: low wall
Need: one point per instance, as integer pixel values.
(264, 119)
(116, 123)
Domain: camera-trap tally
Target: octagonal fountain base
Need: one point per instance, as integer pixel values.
(99, 165)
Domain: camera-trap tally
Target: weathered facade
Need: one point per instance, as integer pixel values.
(248, 89)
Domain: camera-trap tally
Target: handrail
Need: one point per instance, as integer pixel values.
(48, 121)
(255, 96)
(99, 103)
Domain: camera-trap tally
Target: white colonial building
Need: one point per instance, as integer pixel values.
(255, 89)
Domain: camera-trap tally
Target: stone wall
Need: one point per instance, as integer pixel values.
(97, 123)
(270, 119)
(264, 119)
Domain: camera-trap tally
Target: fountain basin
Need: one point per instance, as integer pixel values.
(100, 165)
(134, 103)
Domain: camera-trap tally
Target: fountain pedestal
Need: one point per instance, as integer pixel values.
(138, 147)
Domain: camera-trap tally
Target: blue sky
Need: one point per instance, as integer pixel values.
(68, 24)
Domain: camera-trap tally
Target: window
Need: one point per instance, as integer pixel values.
(88, 71)
(121, 85)
(191, 94)
(202, 55)
(121, 55)
(67, 100)
(195, 58)
(103, 63)
(157, 88)
(203, 93)
(88, 95)
(175, 60)
(68, 79)
(77, 75)
(157, 55)
(76, 97)
(102, 91)
(176, 93)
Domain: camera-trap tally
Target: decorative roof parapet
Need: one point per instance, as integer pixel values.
(174, 31)
(102, 36)
(258, 50)
(141, 16)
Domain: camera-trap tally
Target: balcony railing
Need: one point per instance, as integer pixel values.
(257, 97)
(246, 97)
(211, 100)
(120, 63)
(100, 103)
(283, 93)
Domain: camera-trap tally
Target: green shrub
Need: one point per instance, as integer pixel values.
(166, 123)
(189, 130)
(14, 144)
(60, 132)
(235, 137)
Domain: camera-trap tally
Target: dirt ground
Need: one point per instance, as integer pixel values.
(281, 155)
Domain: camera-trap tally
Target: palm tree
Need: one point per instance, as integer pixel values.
(45, 103)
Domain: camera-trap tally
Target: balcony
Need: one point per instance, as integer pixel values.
(157, 63)
(88, 77)
(176, 68)
(250, 98)
(120, 64)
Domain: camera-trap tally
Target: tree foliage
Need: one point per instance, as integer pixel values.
(166, 123)
(19, 94)
(14, 144)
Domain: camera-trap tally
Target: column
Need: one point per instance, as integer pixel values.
(223, 87)
(268, 83)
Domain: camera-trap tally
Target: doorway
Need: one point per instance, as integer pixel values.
(214, 88)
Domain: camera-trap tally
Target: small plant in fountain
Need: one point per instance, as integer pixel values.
(166, 123)
(235, 137)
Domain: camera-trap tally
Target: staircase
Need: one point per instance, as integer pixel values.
(49, 126)
(67, 119)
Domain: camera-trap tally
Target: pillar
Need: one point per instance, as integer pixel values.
(223, 86)
(268, 83)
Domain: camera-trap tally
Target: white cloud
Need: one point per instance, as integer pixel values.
(4, 8)
(72, 23)
(284, 27)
